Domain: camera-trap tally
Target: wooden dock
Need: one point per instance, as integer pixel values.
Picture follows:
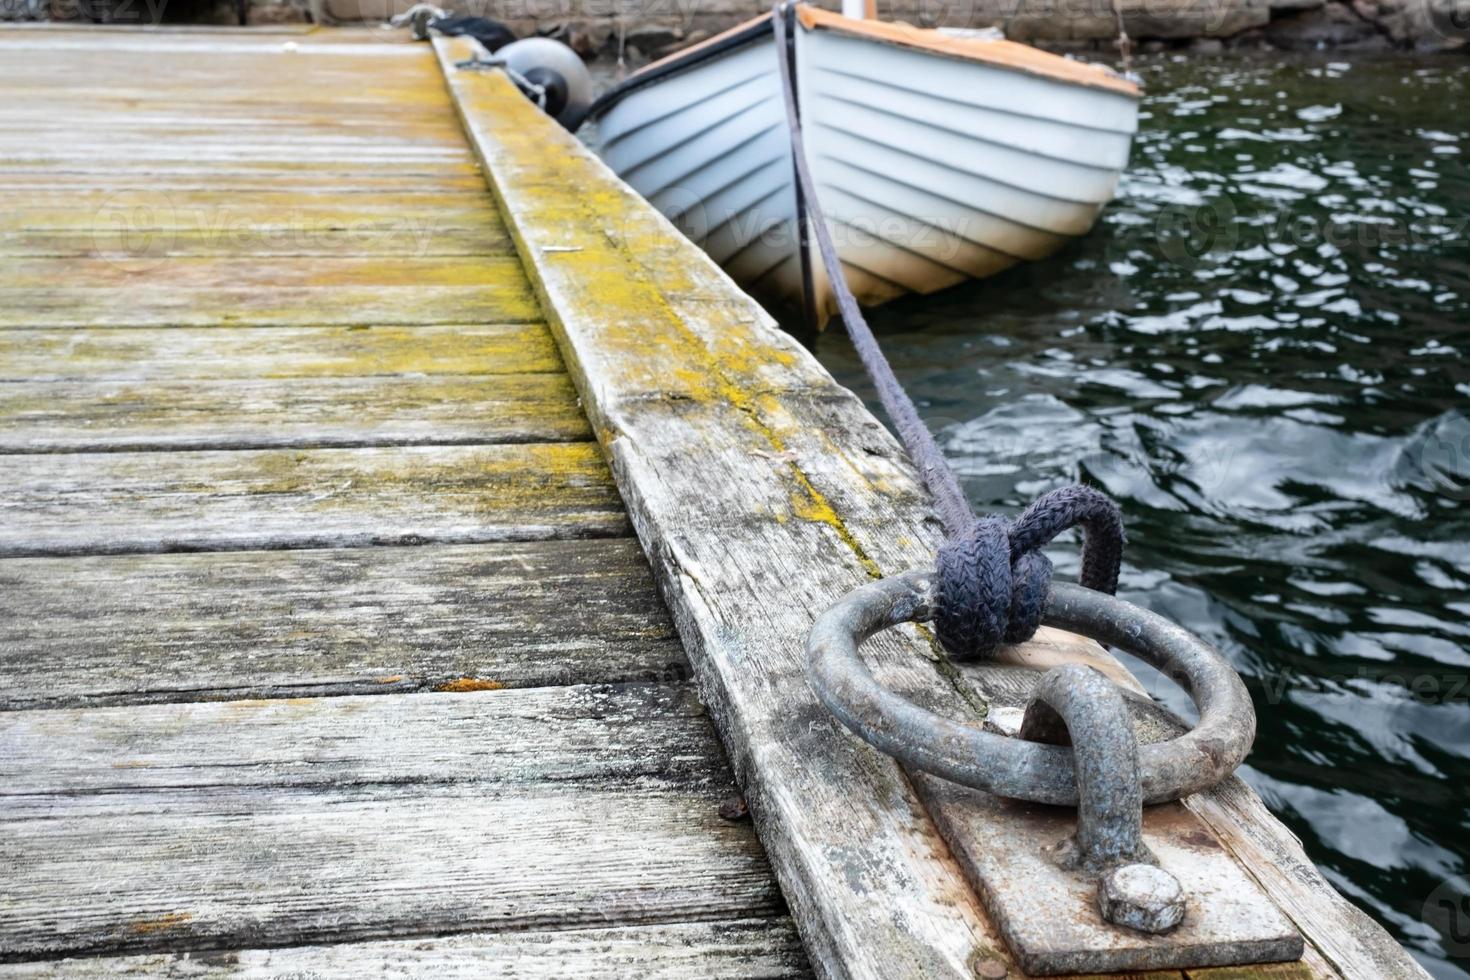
(329, 648)
(322, 620)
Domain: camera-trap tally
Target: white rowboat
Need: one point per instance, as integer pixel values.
(936, 158)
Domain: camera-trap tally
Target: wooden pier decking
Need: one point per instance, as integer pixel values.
(294, 479)
(328, 646)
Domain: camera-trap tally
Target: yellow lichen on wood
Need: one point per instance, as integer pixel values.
(462, 685)
(144, 927)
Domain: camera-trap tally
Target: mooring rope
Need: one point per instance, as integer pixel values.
(992, 577)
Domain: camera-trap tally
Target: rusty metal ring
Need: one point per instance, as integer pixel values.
(1012, 767)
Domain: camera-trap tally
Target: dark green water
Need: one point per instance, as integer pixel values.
(1261, 353)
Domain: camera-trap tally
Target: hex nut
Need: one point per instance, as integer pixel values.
(1142, 897)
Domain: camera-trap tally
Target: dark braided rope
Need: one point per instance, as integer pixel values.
(992, 576)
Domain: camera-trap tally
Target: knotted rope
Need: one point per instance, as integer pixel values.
(992, 576)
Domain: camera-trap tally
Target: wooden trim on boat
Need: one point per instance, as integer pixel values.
(1002, 54)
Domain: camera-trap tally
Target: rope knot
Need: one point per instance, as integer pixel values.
(993, 579)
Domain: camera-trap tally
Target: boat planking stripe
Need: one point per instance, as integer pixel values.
(706, 164)
(904, 248)
(854, 264)
(729, 218)
(968, 134)
(682, 107)
(903, 151)
(944, 197)
(664, 151)
(972, 105)
(755, 239)
(765, 273)
(917, 220)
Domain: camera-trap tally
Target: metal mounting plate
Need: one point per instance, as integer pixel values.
(1049, 917)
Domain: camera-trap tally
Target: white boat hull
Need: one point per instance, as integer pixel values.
(931, 169)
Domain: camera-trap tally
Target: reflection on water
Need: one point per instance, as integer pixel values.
(1261, 352)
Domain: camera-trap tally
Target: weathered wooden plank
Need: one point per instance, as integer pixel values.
(143, 139)
(1268, 971)
(393, 89)
(828, 504)
(143, 221)
(418, 239)
(123, 46)
(123, 502)
(343, 177)
(165, 120)
(263, 291)
(134, 629)
(234, 214)
(72, 416)
(740, 949)
(185, 353)
(288, 822)
(222, 148)
(124, 275)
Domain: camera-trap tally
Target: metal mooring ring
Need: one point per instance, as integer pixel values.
(1014, 767)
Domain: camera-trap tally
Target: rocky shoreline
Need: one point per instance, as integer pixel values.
(640, 32)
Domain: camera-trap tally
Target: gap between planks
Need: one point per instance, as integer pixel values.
(718, 949)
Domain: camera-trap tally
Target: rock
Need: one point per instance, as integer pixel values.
(1334, 25)
(689, 40)
(1207, 46)
(634, 59)
(275, 13)
(1428, 25)
(590, 39)
(651, 39)
(1191, 19)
